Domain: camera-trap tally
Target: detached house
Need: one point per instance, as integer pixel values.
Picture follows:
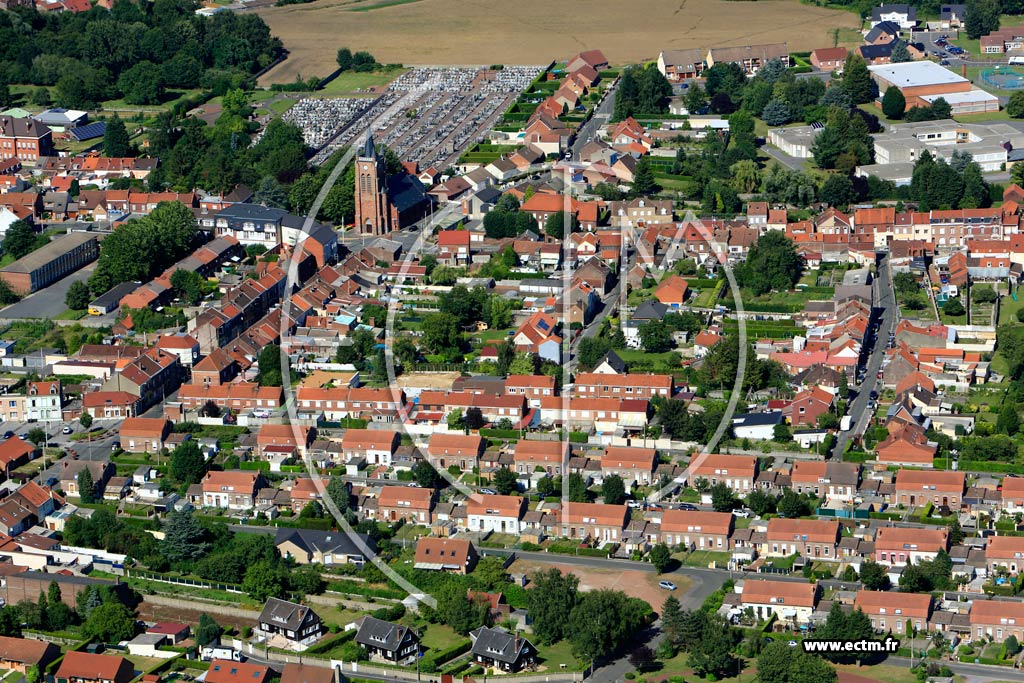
(144, 434)
(891, 611)
(384, 641)
(18, 654)
(495, 647)
(296, 624)
(451, 555)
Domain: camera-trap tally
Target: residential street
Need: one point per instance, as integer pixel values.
(887, 314)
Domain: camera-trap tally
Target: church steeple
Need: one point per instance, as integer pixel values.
(369, 151)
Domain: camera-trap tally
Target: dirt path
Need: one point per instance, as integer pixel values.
(634, 583)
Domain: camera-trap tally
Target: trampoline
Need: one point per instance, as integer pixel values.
(1003, 78)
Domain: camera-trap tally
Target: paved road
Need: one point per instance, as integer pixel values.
(47, 303)
(783, 158)
(887, 314)
(600, 117)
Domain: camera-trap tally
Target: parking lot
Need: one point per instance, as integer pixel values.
(429, 115)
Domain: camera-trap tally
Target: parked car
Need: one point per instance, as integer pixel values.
(8, 434)
(688, 506)
(66, 429)
(413, 485)
(873, 395)
(740, 513)
(489, 492)
(116, 446)
(667, 585)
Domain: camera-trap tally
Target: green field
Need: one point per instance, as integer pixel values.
(352, 81)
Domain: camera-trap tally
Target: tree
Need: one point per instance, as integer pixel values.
(188, 285)
(722, 498)
(184, 537)
(793, 504)
(187, 464)
(505, 481)
(644, 182)
(1011, 645)
(893, 103)
(613, 490)
(712, 653)
(20, 239)
(208, 631)
(592, 349)
(263, 580)
(746, 176)
(475, 418)
(111, 622)
(86, 486)
(142, 84)
(761, 502)
(837, 190)
(85, 420)
(772, 263)
(981, 17)
(956, 532)
(41, 97)
(339, 493)
(344, 59)
(953, 307)
(672, 618)
(523, 364)
(441, 333)
(77, 298)
(655, 337)
(1008, 421)
(1015, 107)
(857, 79)
(556, 223)
(270, 362)
(781, 433)
(552, 598)
(900, 54)
(776, 112)
(661, 558)
(779, 663)
(603, 621)
(425, 475)
(578, 492)
(115, 138)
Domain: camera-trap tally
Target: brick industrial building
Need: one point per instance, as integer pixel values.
(50, 263)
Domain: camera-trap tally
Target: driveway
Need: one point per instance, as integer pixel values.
(49, 302)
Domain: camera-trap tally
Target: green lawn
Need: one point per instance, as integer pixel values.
(703, 558)
(553, 656)
(440, 637)
(169, 101)
(988, 116)
(352, 81)
(71, 315)
(1008, 308)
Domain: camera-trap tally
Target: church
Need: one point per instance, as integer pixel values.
(385, 203)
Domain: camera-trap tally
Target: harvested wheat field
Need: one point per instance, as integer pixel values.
(450, 32)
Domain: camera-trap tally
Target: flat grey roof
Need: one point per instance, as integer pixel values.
(43, 255)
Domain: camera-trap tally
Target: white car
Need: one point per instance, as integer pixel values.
(740, 513)
(667, 585)
(66, 430)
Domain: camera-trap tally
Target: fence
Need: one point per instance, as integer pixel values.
(194, 583)
(202, 605)
(354, 669)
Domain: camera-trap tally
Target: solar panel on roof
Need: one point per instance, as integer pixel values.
(87, 132)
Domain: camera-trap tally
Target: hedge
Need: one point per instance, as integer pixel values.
(329, 644)
(430, 661)
(261, 465)
(500, 433)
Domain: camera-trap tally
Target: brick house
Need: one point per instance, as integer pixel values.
(631, 386)
(738, 472)
(403, 502)
(144, 434)
(896, 546)
(110, 404)
(24, 139)
(462, 450)
(807, 405)
(696, 529)
(101, 472)
(1005, 553)
(275, 439)
(533, 387)
(920, 487)
(501, 514)
(829, 58)
(232, 489)
(14, 453)
(890, 611)
(1013, 494)
(788, 601)
(811, 538)
(227, 671)
(549, 456)
(594, 521)
(375, 446)
(633, 465)
(18, 654)
(450, 555)
(997, 619)
(833, 480)
(83, 667)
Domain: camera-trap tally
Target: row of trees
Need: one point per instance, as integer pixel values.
(132, 51)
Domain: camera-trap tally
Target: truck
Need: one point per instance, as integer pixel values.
(846, 422)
